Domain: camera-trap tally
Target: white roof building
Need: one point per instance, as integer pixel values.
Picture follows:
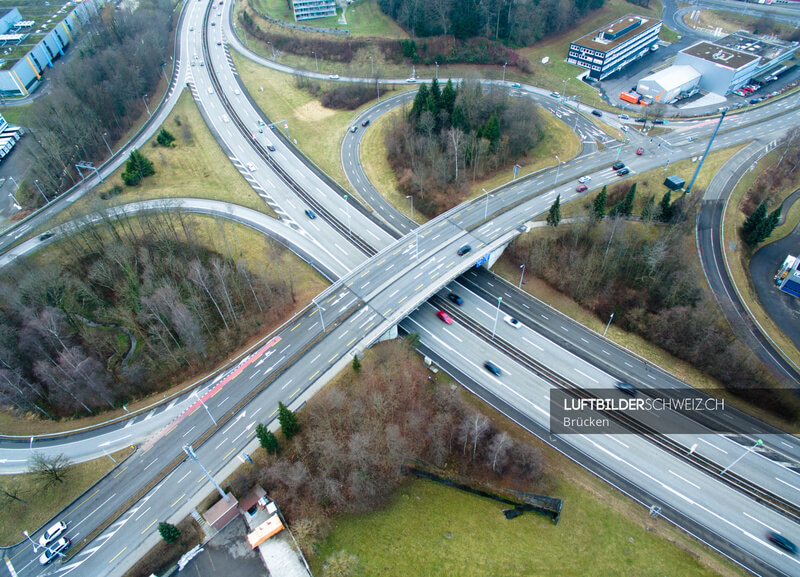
(667, 84)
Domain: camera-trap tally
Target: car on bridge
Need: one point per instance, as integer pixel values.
(445, 317)
(782, 542)
(464, 250)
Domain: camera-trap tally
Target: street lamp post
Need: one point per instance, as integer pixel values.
(190, 452)
(104, 134)
(611, 318)
(558, 166)
(496, 314)
(437, 70)
(758, 443)
(144, 99)
(504, 71)
(349, 232)
(36, 182)
(522, 266)
(316, 64)
(486, 206)
(416, 244)
(28, 537)
(411, 198)
(319, 308)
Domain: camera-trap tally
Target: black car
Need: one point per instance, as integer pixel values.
(310, 214)
(45, 236)
(365, 123)
(464, 250)
(597, 113)
(623, 171)
(617, 165)
(627, 388)
(659, 121)
(492, 368)
(783, 543)
(456, 299)
(642, 119)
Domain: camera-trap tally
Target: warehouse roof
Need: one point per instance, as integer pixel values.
(673, 77)
(720, 55)
(617, 32)
(767, 48)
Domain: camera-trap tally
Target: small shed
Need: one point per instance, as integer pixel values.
(222, 512)
(674, 182)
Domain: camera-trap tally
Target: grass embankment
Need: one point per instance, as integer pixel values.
(194, 167)
(41, 504)
(738, 257)
(669, 35)
(268, 259)
(651, 182)
(364, 18)
(731, 22)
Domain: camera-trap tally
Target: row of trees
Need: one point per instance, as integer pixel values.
(512, 21)
(124, 307)
(98, 93)
(356, 435)
(456, 134)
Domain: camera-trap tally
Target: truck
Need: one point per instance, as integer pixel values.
(631, 97)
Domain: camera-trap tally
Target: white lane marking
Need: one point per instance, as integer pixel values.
(532, 343)
(452, 335)
(788, 484)
(585, 375)
(683, 479)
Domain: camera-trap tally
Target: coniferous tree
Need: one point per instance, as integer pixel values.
(599, 205)
(666, 207)
(554, 216)
(288, 421)
(626, 207)
(755, 219)
(169, 533)
(448, 99)
(648, 211)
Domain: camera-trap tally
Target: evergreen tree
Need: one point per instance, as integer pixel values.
(626, 206)
(169, 533)
(137, 168)
(756, 217)
(666, 207)
(491, 130)
(266, 439)
(356, 364)
(764, 228)
(420, 102)
(436, 94)
(288, 421)
(165, 137)
(554, 216)
(649, 209)
(599, 205)
(448, 99)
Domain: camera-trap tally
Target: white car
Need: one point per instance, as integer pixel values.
(53, 551)
(512, 321)
(236, 91)
(251, 167)
(210, 90)
(583, 179)
(225, 118)
(52, 533)
(333, 76)
(412, 79)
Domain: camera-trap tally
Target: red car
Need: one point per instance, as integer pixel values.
(581, 188)
(640, 151)
(445, 317)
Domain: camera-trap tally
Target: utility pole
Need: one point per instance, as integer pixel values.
(190, 452)
(705, 154)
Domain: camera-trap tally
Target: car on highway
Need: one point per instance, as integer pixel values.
(251, 167)
(623, 116)
(225, 118)
(512, 321)
(583, 179)
(756, 100)
(333, 76)
(627, 388)
(53, 551)
(201, 63)
(310, 214)
(782, 542)
(464, 250)
(555, 95)
(623, 171)
(639, 151)
(445, 317)
(354, 128)
(210, 90)
(219, 42)
(515, 85)
(236, 91)
(597, 113)
(213, 23)
(365, 123)
(270, 146)
(456, 299)
(581, 188)
(492, 368)
(52, 533)
(617, 165)
(45, 235)
(261, 122)
(191, 28)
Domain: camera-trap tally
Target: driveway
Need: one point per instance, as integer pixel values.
(227, 553)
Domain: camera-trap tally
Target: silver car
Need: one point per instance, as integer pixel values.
(52, 533)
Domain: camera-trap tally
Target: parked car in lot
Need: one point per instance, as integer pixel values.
(623, 171)
(52, 533)
(639, 151)
(492, 368)
(756, 100)
(617, 165)
(53, 551)
(456, 299)
(581, 188)
(445, 317)
(464, 250)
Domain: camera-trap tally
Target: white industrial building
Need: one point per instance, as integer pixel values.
(668, 84)
(722, 68)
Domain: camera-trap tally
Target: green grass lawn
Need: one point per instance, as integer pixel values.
(430, 529)
(669, 35)
(730, 22)
(364, 18)
(194, 167)
(42, 504)
(12, 114)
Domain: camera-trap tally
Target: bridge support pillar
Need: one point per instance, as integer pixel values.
(491, 258)
(389, 335)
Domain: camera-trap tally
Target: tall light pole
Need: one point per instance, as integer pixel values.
(416, 244)
(705, 154)
(411, 198)
(611, 318)
(104, 134)
(758, 443)
(486, 206)
(316, 65)
(190, 452)
(504, 71)
(144, 97)
(28, 537)
(522, 266)
(210, 416)
(558, 166)
(36, 182)
(496, 314)
(36, 548)
(349, 233)
(273, 49)
(319, 308)
(437, 70)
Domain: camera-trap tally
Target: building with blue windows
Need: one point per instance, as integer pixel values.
(309, 9)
